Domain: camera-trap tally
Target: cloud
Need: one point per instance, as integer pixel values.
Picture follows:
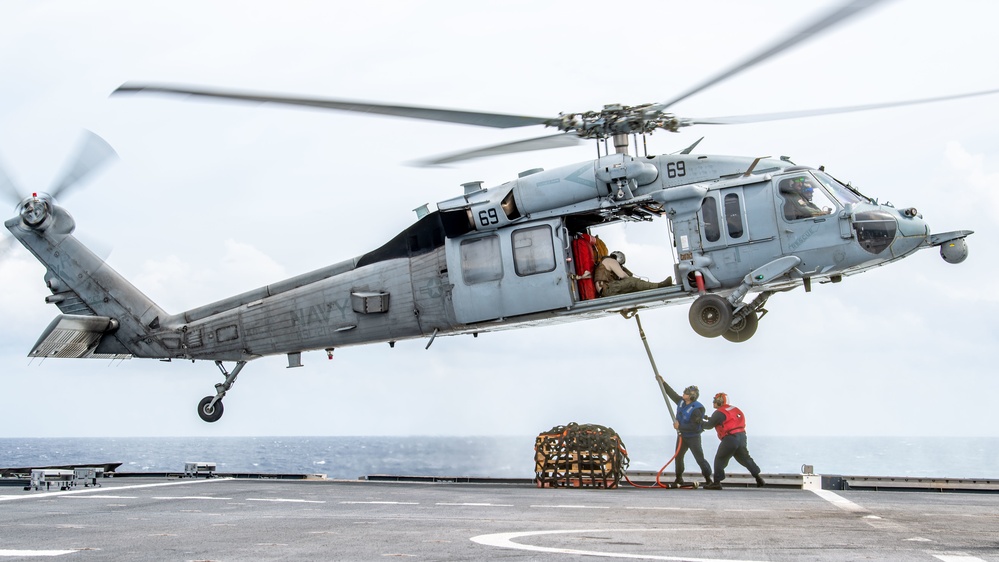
(984, 185)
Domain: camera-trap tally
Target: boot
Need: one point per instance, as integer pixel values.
(707, 480)
(668, 282)
(759, 481)
(713, 486)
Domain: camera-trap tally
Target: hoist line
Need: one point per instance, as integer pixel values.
(662, 388)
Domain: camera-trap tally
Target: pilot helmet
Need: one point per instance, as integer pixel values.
(692, 391)
(619, 256)
(721, 399)
(807, 190)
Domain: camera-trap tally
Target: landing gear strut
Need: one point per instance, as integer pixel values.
(210, 408)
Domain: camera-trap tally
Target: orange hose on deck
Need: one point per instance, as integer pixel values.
(658, 484)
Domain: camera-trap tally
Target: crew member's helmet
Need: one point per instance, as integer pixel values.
(692, 391)
(802, 186)
(619, 256)
(721, 399)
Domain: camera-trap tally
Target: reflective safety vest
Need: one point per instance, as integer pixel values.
(684, 415)
(735, 422)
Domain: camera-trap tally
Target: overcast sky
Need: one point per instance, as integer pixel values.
(211, 199)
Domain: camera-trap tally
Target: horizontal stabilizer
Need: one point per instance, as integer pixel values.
(74, 337)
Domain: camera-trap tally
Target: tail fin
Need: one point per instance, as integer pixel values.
(103, 314)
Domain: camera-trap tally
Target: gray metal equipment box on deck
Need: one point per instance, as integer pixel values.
(195, 469)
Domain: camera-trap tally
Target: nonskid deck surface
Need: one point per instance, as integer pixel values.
(243, 519)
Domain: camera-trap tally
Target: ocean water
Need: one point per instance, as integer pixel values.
(498, 457)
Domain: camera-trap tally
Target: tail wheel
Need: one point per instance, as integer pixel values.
(208, 412)
(743, 329)
(710, 315)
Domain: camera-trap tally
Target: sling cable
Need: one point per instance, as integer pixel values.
(669, 405)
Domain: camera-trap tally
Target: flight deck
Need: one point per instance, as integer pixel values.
(224, 518)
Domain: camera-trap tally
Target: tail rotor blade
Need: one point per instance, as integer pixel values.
(93, 153)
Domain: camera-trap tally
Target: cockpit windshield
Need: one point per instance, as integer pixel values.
(846, 195)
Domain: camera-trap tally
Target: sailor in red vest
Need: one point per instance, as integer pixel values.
(730, 423)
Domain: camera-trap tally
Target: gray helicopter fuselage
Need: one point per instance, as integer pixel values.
(493, 258)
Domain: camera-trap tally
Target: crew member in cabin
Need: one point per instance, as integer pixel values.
(730, 423)
(612, 278)
(689, 425)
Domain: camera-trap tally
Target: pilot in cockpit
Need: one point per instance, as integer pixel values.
(797, 194)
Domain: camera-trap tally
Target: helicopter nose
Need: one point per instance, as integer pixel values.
(912, 231)
(911, 223)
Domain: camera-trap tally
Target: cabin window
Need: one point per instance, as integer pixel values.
(480, 260)
(733, 216)
(709, 213)
(533, 251)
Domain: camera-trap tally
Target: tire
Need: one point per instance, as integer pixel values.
(743, 329)
(208, 413)
(710, 315)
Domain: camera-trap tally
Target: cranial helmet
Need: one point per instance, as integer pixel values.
(721, 399)
(692, 391)
(619, 256)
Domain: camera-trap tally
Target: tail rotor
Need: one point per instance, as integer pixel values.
(92, 153)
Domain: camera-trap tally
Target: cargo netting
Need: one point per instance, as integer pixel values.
(579, 456)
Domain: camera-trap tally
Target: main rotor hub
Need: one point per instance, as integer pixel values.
(616, 119)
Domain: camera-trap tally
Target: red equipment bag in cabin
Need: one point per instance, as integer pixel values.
(585, 253)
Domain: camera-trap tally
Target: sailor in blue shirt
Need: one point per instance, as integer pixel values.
(689, 417)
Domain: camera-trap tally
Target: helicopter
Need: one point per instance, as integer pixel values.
(518, 254)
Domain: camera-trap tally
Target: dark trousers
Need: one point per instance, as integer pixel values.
(692, 444)
(734, 446)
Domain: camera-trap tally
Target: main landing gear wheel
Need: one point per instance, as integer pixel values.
(743, 329)
(710, 315)
(208, 412)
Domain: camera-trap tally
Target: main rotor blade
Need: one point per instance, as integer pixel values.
(761, 117)
(93, 153)
(496, 120)
(539, 143)
(825, 23)
(8, 190)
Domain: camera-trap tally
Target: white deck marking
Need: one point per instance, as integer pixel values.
(839, 501)
(664, 508)
(505, 540)
(285, 500)
(571, 506)
(26, 553)
(477, 504)
(189, 498)
(957, 558)
(101, 497)
(382, 503)
(110, 489)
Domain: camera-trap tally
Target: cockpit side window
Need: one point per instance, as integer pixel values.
(802, 199)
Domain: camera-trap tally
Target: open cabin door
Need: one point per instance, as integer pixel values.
(508, 272)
